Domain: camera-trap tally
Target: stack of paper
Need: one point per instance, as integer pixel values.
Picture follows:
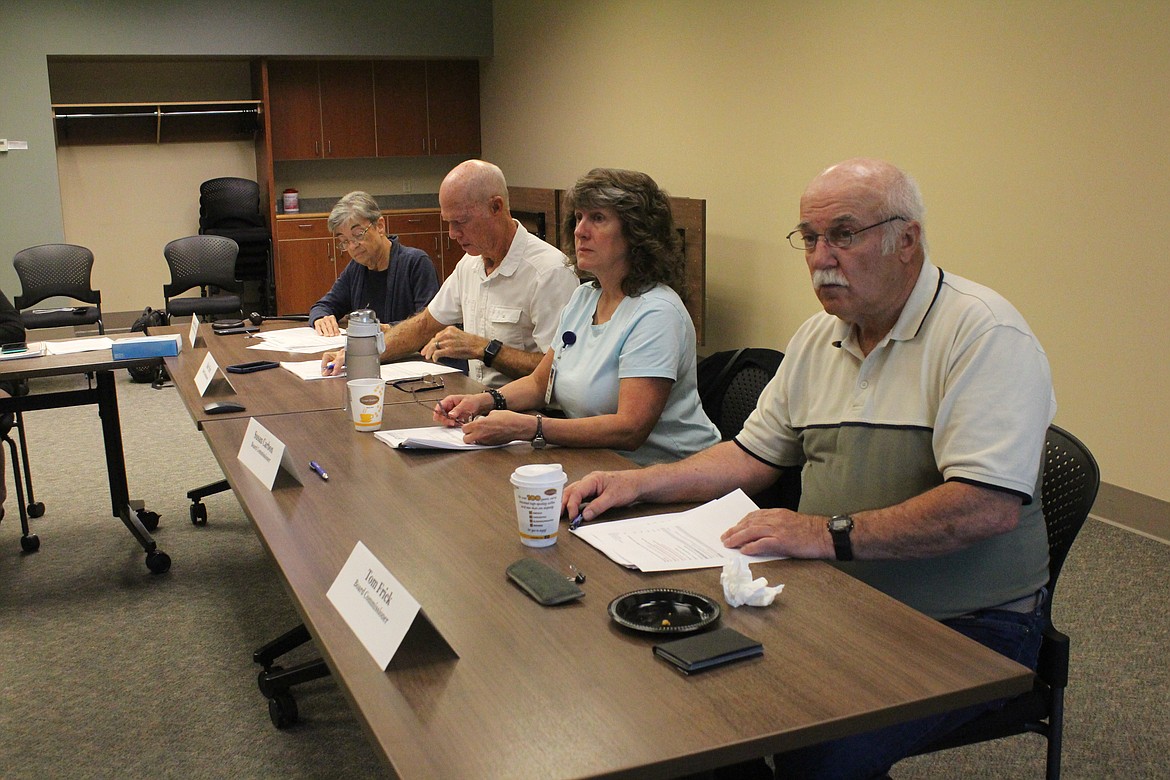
(391, 372)
(683, 540)
(74, 346)
(303, 340)
(436, 437)
(32, 349)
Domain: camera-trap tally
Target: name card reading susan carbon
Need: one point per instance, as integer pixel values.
(374, 604)
(265, 455)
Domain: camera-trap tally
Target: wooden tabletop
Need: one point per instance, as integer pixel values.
(545, 692)
(263, 393)
(73, 363)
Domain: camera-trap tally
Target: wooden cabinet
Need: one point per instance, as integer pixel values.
(306, 265)
(321, 110)
(385, 108)
(453, 107)
(427, 108)
(400, 115)
(422, 231)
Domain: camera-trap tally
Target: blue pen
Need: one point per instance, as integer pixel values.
(315, 466)
(575, 523)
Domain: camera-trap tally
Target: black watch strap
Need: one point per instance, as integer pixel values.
(840, 527)
(490, 351)
(538, 442)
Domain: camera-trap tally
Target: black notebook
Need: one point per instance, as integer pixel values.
(708, 650)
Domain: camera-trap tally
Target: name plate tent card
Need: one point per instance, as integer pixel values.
(376, 606)
(265, 455)
(207, 372)
(194, 332)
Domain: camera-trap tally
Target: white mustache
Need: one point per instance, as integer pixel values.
(828, 276)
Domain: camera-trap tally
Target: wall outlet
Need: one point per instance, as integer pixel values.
(407, 187)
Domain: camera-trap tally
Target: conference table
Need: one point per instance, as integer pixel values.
(102, 392)
(252, 390)
(513, 689)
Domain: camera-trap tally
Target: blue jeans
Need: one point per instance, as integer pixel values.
(870, 755)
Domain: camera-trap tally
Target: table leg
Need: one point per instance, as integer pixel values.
(135, 518)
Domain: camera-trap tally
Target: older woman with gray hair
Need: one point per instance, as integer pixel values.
(394, 280)
(622, 366)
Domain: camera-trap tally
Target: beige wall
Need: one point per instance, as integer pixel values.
(1036, 129)
(126, 202)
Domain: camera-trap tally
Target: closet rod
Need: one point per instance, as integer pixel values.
(153, 114)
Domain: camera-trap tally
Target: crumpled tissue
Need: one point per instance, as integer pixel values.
(739, 588)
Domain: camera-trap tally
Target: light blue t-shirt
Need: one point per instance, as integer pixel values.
(650, 335)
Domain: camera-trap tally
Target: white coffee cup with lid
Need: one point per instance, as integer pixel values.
(538, 489)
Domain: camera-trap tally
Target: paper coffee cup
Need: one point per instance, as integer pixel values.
(365, 403)
(538, 502)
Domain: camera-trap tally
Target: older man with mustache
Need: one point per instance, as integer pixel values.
(916, 408)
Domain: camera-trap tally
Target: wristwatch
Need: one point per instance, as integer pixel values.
(538, 442)
(840, 526)
(490, 351)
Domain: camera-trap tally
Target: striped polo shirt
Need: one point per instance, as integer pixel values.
(959, 389)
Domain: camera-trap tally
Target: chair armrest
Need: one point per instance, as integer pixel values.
(1052, 666)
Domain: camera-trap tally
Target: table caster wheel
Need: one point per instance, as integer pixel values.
(148, 519)
(282, 710)
(30, 543)
(199, 514)
(37, 509)
(158, 561)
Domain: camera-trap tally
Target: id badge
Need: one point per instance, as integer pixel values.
(552, 380)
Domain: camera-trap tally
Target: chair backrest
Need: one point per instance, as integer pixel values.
(1067, 492)
(201, 261)
(49, 270)
(730, 384)
(229, 202)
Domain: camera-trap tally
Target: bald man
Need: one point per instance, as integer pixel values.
(507, 291)
(916, 407)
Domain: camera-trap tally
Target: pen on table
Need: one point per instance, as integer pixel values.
(315, 466)
(575, 523)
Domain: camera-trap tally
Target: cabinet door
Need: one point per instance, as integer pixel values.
(453, 107)
(347, 109)
(304, 272)
(400, 108)
(294, 110)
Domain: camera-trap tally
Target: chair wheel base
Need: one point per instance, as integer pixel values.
(36, 510)
(30, 543)
(158, 562)
(264, 683)
(198, 514)
(148, 519)
(282, 710)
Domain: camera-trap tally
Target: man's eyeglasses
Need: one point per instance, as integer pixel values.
(421, 385)
(344, 242)
(837, 236)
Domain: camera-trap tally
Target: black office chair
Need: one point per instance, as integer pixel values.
(57, 270)
(1068, 490)
(10, 421)
(206, 262)
(730, 384)
(230, 207)
(209, 263)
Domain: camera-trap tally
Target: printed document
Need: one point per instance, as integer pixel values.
(391, 372)
(671, 542)
(434, 437)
